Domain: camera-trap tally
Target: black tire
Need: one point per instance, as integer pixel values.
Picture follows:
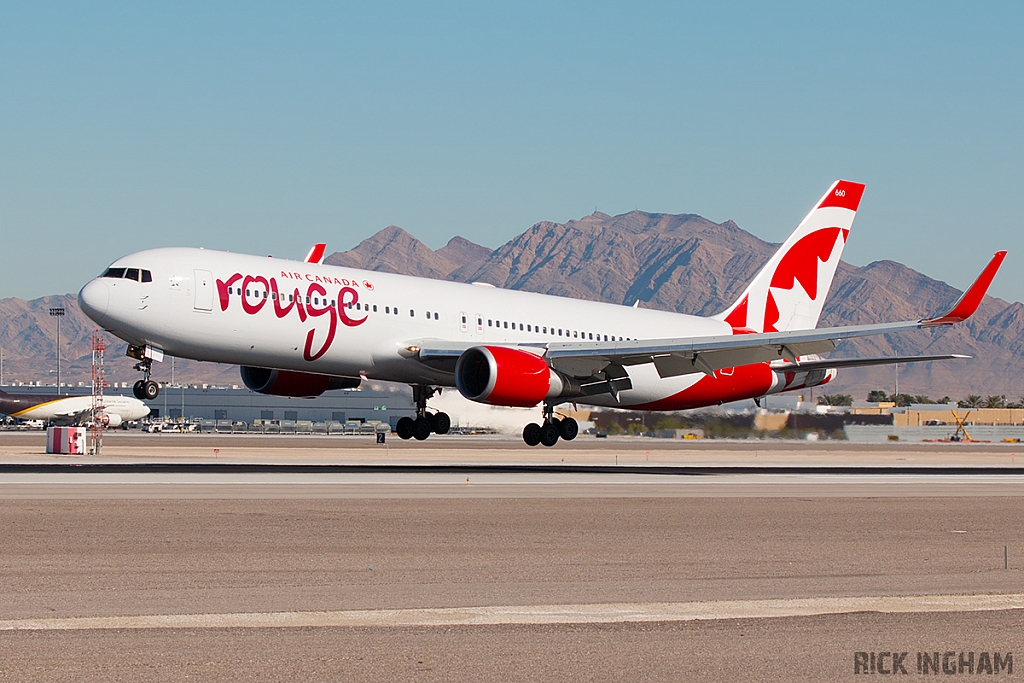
(137, 390)
(404, 427)
(568, 428)
(441, 423)
(549, 435)
(421, 429)
(150, 390)
(531, 434)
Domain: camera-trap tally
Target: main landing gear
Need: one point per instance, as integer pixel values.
(425, 423)
(145, 389)
(552, 429)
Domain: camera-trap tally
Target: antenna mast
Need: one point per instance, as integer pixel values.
(99, 383)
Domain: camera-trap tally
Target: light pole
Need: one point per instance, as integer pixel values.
(58, 313)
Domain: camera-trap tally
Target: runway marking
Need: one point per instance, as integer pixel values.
(538, 614)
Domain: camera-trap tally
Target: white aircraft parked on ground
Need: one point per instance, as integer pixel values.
(71, 410)
(301, 328)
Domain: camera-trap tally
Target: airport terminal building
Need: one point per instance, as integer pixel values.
(371, 402)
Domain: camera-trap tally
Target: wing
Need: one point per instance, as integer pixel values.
(680, 356)
(828, 363)
(674, 357)
(72, 417)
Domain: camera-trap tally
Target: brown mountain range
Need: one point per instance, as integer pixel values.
(688, 264)
(682, 263)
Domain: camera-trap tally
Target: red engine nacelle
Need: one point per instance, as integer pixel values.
(291, 383)
(505, 377)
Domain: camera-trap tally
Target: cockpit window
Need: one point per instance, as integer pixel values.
(128, 274)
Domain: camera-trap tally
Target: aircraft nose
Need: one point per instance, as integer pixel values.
(94, 299)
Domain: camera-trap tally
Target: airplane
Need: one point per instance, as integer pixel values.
(71, 410)
(302, 328)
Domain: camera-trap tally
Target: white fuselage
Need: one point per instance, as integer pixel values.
(275, 313)
(72, 407)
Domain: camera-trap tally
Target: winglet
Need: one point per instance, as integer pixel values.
(316, 254)
(969, 301)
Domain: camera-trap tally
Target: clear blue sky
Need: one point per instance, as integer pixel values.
(265, 127)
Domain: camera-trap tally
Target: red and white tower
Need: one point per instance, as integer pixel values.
(99, 383)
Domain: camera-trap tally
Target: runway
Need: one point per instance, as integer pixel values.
(385, 573)
(538, 614)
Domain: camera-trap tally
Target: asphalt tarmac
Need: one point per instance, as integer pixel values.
(383, 575)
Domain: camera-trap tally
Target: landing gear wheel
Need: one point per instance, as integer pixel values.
(137, 389)
(531, 434)
(150, 390)
(440, 423)
(404, 427)
(549, 434)
(421, 429)
(568, 428)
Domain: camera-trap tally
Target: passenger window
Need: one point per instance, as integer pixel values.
(131, 274)
(529, 329)
(544, 330)
(411, 313)
(114, 272)
(436, 317)
(307, 298)
(428, 315)
(387, 309)
(265, 293)
(575, 334)
(396, 311)
(147, 276)
(332, 303)
(520, 327)
(463, 320)
(291, 297)
(559, 331)
(274, 296)
(480, 322)
(489, 323)
(592, 336)
(375, 308)
(506, 324)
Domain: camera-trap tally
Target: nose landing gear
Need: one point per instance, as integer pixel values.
(552, 429)
(425, 423)
(145, 389)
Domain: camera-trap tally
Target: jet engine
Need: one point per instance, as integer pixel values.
(291, 383)
(506, 377)
(111, 420)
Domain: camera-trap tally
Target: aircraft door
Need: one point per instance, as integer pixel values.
(479, 323)
(204, 290)
(463, 322)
